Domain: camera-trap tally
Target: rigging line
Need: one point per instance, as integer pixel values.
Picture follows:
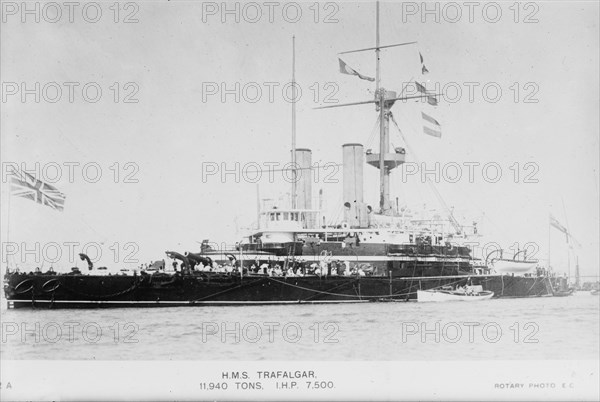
(321, 292)
(411, 151)
(135, 285)
(339, 211)
(337, 219)
(406, 85)
(436, 193)
(499, 228)
(402, 93)
(569, 237)
(80, 217)
(469, 199)
(373, 131)
(328, 290)
(241, 285)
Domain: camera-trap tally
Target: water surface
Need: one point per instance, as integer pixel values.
(535, 328)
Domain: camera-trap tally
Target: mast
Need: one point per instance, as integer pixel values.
(382, 116)
(383, 100)
(294, 190)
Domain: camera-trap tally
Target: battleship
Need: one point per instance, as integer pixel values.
(375, 254)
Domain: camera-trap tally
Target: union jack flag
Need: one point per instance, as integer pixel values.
(24, 185)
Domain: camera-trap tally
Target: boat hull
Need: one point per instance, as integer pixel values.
(440, 296)
(89, 291)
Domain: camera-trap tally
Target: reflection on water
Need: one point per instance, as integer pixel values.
(537, 328)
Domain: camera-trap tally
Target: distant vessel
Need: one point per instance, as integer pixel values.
(467, 293)
(374, 254)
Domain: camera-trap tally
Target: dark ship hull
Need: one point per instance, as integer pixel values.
(199, 289)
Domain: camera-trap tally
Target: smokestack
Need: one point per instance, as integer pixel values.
(355, 212)
(304, 178)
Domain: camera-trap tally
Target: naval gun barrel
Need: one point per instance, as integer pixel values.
(175, 255)
(84, 257)
(198, 259)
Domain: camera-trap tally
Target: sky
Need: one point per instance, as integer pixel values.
(187, 88)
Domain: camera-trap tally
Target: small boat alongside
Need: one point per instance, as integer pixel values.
(563, 293)
(466, 293)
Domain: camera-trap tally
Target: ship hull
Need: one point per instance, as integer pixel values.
(89, 291)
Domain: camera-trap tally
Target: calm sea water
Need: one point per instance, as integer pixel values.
(536, 328)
